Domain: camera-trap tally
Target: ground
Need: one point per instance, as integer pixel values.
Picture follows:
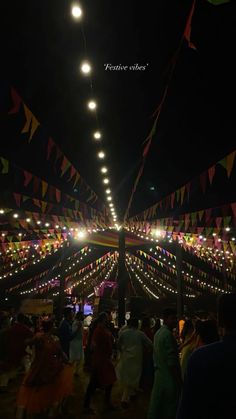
(137, 408)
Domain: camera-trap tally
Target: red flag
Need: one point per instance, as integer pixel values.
(49, 148)
(188, 27)
(211, 173)
(16, 101)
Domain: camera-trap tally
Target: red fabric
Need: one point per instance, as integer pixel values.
(16, 336)
(48, 361)
(102, 342)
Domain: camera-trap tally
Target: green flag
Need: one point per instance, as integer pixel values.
(217, 2)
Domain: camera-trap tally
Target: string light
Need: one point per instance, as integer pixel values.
(104, 169)
(15, 215)
(108, 191)
(92, 105)
(97, 135)
(76, 11)
(106, 180)
(85, 68)
(101, 155)
(2, 211)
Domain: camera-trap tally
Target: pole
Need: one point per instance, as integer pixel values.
(180, 306)
(61, 297)
(122, 279)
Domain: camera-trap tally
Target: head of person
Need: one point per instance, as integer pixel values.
(146, 322)
(207, 330)
(109, 316)
(133, 323)
(47, 326)
(68, 314)
(102, 319)
(170, 318)
(227, 313)
(21, 318)
(79, 316)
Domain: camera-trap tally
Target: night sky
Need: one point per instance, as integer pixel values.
(41, 51)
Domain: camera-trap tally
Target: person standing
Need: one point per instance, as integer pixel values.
(131, 344)
(50, 378)
(102, 370)
(167, 381)
(208, 391)
(65, 331)
(76, 344)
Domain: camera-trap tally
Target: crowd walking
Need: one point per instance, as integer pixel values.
(187, 377)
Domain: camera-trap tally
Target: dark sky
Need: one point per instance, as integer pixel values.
(41, 50)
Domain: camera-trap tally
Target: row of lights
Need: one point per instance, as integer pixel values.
(86, 70)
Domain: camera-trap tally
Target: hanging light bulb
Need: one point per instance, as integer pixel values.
(97, 135)
(104, 169)
(101, 155)
(76, 11)
(92, 105)
(85, 68)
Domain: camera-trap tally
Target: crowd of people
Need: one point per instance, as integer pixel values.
(189, 375)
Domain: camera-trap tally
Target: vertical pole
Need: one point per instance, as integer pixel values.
(61, 297)
(179, 281)
(122, 280)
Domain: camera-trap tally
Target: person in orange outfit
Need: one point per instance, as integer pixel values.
(50, 379)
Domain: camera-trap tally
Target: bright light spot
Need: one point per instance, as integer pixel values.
(118, 227)
(92, 105)
(76, 11)
(97, 135)
(111, 205)
(81, 235)
(227, 229)
(106, 180)
(108, 191)
(104, 169)
(28, 220)
(85, 67)
(101, 154)
(15, 215)
(47, 225)
(38, 222)
(156, 232)
(57, 226)
(1, 211)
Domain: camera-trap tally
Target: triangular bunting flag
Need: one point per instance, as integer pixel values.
(5, 166)
(230, 162)
(16, 101)
(211, 173)
(44, 188)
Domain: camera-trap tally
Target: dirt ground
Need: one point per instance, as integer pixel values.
(136, 410)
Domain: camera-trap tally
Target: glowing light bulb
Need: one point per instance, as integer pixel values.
(104, 170)
(101, 154)
(15, 215)
(106, 180)
(97, 135)
(76, 11)
(92, 105)
(108, 191)
(85, 68)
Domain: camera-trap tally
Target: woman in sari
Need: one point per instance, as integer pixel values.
(50, 379)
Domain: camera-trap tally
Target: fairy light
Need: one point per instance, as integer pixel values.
(76, 11)
(104, 169)
(92, 105)
(97, 135)
(101, 155)
(85, 68)
(106, 181)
